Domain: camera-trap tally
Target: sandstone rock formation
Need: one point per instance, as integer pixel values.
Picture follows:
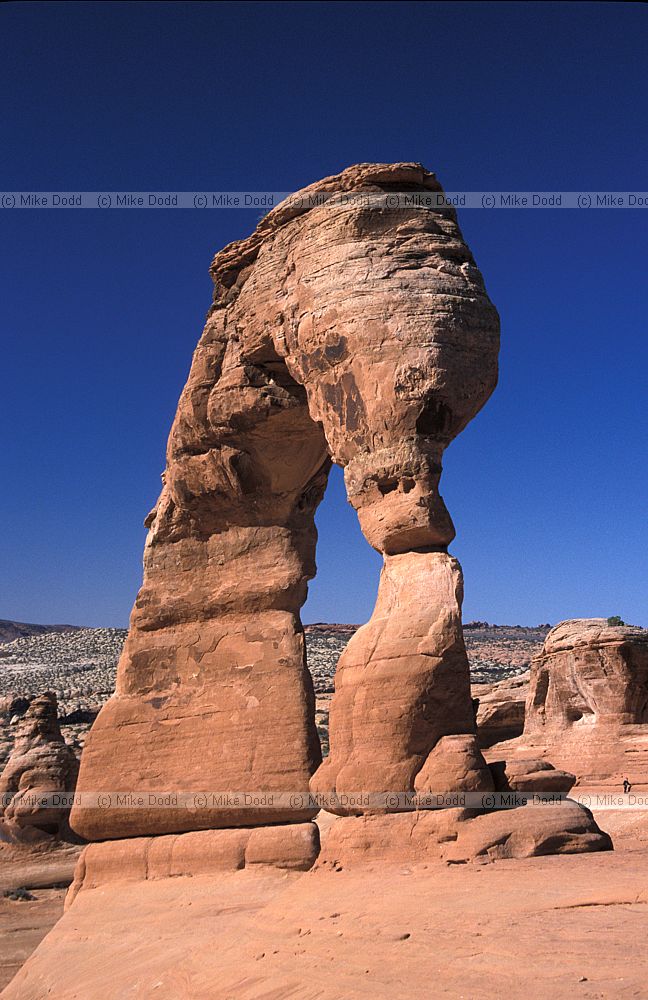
(500, 709)
(352, 330)
(589, 674)
(568, 928)
(40, 765)
(355, 330)
(458, 835)
(353, 326)
(293, 847)
(530, 776)
(587, 706)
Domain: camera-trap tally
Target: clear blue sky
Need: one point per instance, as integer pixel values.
(101, 311)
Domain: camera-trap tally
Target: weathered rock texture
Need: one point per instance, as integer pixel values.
(40, 765)
(532, 776)
(587, 706)
(293, 847)
(402, 690)
(352, 331)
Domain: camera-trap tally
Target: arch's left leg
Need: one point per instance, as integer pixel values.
(213, 693)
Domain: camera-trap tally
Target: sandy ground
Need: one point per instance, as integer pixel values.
(24, 923)
(552, 927)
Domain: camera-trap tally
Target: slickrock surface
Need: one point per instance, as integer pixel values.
(50, 864)
(563, 927)
(23, 925)
(41, 762)
(33, 886)
(587, 705)
(348, 331)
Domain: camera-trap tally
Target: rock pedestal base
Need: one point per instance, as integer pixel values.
(294, 847)
(457, 836)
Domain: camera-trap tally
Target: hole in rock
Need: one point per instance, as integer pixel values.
(387, 486)
(434, 418)
(582, 715)
(542, 688)
(342, 595)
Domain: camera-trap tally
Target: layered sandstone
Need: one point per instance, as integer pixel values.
(460, 835)
(589, 674)
(293, 847)
(500, 709)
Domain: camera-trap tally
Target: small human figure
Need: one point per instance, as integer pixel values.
(626, 786)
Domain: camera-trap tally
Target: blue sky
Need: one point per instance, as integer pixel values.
(101, 310)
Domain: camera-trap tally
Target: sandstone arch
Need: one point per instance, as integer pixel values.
(349, 331)
(354, 329)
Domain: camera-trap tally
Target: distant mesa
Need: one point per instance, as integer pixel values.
(10, 630)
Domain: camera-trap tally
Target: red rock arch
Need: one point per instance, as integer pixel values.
(356, 330)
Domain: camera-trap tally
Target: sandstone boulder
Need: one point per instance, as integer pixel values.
(589, 674)
(533, 776)
(454, 765)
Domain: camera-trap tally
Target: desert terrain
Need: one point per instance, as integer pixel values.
(79, 665)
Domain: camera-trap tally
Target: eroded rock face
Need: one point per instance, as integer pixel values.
(41, 763)
(589, 674)
(587, 706)
(532, 776)
(357, 331)
(402, 685)
(293, 847)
